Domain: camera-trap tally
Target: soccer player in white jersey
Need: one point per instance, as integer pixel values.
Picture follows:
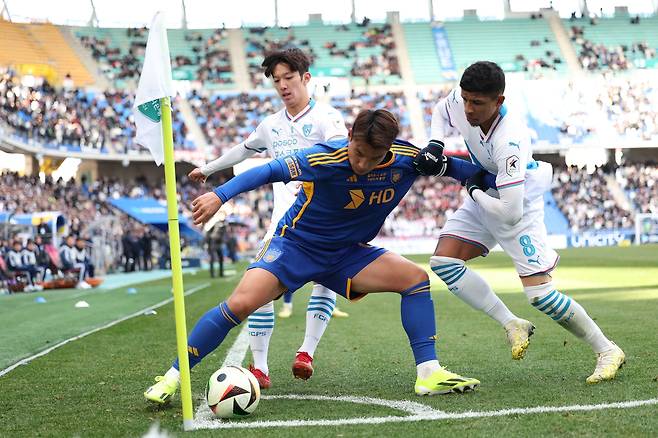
(301, 124)
(512, 216)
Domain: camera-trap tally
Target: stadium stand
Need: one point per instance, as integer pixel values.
(422, 52)
(82, 119)
(615, 43)
(75, 118)
(201, 54)
(392, 101)
(424, 210)
(227, 119)
(41, 49)
(520, 44)
(363, 52)
(586, 201)
(640, 183)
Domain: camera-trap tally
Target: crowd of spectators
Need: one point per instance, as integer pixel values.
(631, 105)
(259, 42)
(112, 61)
(393, 101)
(423, 211)
(640, 183)
(594, 56)
(380, 65)
(586, 200)
(428, 99)
(608, 110)
(85, 212)
(210, 55)
(74, 117)
(227, 119)
(213, 58)
(536, 66)
(367, 66)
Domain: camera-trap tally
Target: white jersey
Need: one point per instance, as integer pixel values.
(280, 134)
(503, 151)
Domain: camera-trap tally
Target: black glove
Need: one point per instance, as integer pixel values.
(475, 182)
(430, 160)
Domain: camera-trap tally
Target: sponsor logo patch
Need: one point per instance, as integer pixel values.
(512, 165)
(272, 254)
(293, 167)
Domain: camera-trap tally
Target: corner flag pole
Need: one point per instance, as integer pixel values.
(176, 265)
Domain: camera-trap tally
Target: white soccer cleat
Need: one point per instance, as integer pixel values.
(518, 336)
(608, 364)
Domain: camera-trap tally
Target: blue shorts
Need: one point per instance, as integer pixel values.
(295, 265)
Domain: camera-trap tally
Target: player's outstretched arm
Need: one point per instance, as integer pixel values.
(235, 155)
(462, 170)
(205, 206)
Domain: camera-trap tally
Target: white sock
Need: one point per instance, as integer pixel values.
(318, 313)
(470, 287)
(172, 374)
(425, 369)
(287, 305)
(569, 314)
(261, 326)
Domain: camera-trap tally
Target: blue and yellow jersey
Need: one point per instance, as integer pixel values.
(336, 207)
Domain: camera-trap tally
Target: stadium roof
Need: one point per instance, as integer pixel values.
(212, 14)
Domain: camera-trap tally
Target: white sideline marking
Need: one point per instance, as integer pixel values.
(108, 325)
(238, 350)
(426, 414)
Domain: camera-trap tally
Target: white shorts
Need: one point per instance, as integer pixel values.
(525, 242)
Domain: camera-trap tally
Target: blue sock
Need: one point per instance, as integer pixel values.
(287, 297)
(208, 333)
(417, 310)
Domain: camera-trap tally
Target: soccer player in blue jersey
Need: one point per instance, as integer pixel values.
(348, 189)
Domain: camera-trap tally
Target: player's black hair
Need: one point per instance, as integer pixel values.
(294, 58)
(484, 77)
(377, 128)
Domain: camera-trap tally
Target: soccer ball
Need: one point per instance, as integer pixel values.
(232, 392)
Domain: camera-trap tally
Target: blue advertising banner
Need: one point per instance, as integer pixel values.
(444, 52)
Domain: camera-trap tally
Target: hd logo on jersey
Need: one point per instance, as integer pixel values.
(381, 196)
(306, 129)
(512, 165)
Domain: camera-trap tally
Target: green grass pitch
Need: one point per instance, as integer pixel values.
(93, 386)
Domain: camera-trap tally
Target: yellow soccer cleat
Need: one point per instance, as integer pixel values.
(445, 382)
(339, 313)
(162, 391)
(285, 312)
(607, 365)
(518, 336)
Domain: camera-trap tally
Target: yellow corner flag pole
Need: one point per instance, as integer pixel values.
(176, 266)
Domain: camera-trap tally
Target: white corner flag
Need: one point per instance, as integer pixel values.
(154, 83)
